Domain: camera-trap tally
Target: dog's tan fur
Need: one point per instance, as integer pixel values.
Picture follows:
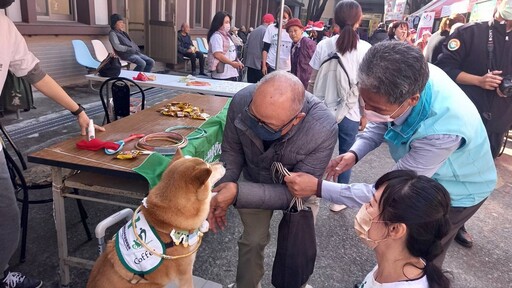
(180, 201)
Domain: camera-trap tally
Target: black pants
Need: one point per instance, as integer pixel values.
(193, 57)
(253, 75)
(458, 217)
(496, 140)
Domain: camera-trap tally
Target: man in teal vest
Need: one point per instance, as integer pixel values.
(430, 126)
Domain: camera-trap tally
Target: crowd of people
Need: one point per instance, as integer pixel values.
(438, 103)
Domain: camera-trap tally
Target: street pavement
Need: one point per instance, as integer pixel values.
(342, 259)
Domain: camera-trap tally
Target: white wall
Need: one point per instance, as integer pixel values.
(101, 12)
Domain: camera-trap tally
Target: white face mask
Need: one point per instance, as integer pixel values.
(373, 116)
(362, 224)
(284, 22)
(227, 27)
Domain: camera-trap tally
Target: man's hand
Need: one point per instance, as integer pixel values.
(225, 195)
(190, 50)
(339, 165)
(264, 68)
(491, 80)
(301, 184)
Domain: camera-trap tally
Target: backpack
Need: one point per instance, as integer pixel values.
(334, 88)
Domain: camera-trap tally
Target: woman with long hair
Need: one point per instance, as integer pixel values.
(434, 46)
(222, 58)
(269, 53)
(403, 224)
(351, 49)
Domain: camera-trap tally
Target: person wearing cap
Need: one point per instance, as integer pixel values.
(303, 49)
(124, 46)
(435, 43)
(465, 59)
(253, 48)
(379, 35)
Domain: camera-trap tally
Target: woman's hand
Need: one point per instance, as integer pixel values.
(237, 64)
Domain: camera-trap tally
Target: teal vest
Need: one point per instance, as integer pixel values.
(469, 173)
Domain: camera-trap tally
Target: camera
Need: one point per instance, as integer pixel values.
(506, 86)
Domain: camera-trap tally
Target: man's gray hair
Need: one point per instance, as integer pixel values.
(395, 70)
(286, 81)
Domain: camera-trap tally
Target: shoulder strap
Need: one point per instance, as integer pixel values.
(335, 55)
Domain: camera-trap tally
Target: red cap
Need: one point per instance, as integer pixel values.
(294, 22)
(268, 18)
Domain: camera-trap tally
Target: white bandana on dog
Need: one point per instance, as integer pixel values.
(133, 255)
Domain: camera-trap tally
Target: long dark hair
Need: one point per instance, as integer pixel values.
(347, 14)
(217, 22)
(422, 204)
(286, 10)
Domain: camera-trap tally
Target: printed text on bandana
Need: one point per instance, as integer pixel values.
(133, 255)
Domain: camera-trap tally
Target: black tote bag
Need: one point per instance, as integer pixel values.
(110, 66)
(296, 247)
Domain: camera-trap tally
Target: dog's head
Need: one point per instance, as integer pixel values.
(182, 197)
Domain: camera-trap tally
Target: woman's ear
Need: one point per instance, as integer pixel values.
(397, 230)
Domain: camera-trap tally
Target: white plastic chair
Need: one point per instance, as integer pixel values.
(100, 51)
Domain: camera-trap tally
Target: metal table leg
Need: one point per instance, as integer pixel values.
(59, 216)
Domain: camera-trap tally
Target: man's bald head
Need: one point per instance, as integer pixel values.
(280, 87)
(278, 97)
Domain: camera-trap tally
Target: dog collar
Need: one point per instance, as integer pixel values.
(178, 237)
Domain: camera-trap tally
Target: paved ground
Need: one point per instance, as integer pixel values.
(342, 259)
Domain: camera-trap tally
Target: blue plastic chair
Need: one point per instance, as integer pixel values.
(200, 46)
(83, 56)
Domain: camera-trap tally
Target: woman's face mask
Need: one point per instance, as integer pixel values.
(5, 3)
(227, 27)
(362, 224)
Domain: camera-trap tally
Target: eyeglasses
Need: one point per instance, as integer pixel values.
(264, 124)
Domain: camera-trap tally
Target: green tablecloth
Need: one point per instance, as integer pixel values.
(207, 148)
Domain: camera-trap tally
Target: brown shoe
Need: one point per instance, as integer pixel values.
(464, 238)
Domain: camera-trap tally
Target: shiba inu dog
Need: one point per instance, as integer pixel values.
(158, 246)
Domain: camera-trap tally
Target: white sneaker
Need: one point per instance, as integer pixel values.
(337, 207)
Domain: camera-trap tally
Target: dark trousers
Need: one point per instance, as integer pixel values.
(458, 216)
(253, 75)
(496, 140)
(193, 57)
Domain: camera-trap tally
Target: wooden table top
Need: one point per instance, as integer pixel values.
(66, 155)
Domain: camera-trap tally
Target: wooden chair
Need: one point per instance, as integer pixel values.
(26, 179)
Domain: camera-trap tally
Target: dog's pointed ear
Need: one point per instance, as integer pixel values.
(177, 156)
(200, 178)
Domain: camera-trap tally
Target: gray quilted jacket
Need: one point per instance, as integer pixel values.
(307, 147)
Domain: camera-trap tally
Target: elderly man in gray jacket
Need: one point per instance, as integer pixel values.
(273, 121)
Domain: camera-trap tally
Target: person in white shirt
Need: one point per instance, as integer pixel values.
(222, 58)
(270, 41)
(403, 224)
(347, 15)
(16, 57)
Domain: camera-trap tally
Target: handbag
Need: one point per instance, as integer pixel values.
(295, 257)
(16, 94)
(110, 66)
(220, 67)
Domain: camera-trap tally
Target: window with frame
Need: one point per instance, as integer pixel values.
(56, 10)
(198, 13)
